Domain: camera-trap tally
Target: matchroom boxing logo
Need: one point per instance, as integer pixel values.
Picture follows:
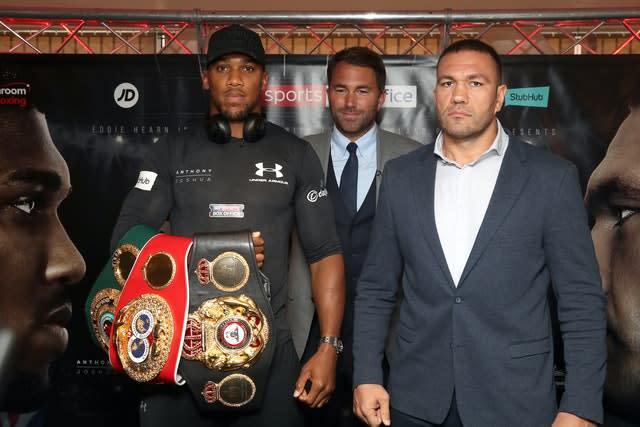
(14, 94)
(126, 95)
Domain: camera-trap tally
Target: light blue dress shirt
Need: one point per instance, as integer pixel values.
(367, 158)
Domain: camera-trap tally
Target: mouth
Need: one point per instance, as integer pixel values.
(53, 333)
(234, 94)
(350, 114)
(458, 114)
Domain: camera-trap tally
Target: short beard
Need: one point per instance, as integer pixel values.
(467, 134)
(236, 116)
(23, 393)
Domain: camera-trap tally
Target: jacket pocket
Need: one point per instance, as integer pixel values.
(530, 348)
(404, 331)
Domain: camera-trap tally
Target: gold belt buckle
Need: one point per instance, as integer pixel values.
(226, 333)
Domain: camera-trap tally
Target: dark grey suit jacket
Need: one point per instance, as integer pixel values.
(300, 306)
(490, 338)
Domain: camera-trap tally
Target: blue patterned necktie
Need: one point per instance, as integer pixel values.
(349, 180)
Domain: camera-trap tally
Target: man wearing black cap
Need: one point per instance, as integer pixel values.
(247, 173)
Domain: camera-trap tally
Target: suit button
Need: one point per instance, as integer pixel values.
(458, 300)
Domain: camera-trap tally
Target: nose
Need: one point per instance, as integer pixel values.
(459, 94)
(234, 77)
(65, 264)
(350, 99)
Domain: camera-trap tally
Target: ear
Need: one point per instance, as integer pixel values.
(381, 98)
(205, 80)
(500, 93)
(265, 80)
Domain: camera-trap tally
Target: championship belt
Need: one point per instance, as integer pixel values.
(148, 330)
(229, 339)
(100, 307)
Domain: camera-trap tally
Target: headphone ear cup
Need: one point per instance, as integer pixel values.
(218, 129)
(254, 127)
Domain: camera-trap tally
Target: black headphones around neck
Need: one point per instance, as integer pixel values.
(219, 128)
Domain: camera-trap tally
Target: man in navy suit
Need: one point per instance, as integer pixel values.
(356, 78)
(475, 228)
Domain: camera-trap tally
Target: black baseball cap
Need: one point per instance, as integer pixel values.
(235, 39)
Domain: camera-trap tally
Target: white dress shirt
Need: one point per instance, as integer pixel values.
(462, 194)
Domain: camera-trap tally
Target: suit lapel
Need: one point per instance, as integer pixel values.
(423, 185)
(324, 150)
(511, 180)
(381, 157)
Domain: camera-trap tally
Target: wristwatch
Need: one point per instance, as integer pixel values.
(334, 341)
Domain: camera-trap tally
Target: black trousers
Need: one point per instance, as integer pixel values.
(174, 406)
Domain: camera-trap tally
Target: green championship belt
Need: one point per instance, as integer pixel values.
(103, 296)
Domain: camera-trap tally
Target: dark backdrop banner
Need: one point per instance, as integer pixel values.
(103, 111)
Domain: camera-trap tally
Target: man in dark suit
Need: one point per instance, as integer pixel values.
(474, 229)
(356, 79)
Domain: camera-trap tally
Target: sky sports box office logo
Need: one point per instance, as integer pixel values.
(398, 96)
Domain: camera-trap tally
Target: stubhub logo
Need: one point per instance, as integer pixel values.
(528, 97)
(295, 96)
(400, 96)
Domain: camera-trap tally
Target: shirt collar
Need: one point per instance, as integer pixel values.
(497, 148)
(366, 143)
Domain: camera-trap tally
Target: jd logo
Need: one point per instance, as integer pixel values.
(126, 95)
(261, 170)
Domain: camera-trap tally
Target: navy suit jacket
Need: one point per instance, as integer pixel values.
(490, 338)
(300, 306)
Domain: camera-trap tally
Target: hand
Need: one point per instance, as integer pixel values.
(565, 419)
(371, 404)
(258, 247)
(320, 370)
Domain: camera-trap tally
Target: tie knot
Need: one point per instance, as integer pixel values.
(352, 147)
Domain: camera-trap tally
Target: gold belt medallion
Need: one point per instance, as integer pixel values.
(234, 390)
(229, 271)
(103, 307)
(226, 333)
(122, 262)
(143, 334)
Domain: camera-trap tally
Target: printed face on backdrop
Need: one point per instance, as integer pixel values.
(37, 259)
(235, 83)
(354, 99)
(468, 95)
(613, 199)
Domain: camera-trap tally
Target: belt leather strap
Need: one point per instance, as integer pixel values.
(229, 343)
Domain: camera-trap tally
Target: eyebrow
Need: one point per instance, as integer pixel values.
(48, 179)
(614, 186)
(474, 76)
(344, 85)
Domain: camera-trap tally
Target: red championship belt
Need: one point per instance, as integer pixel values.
(151, 314)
